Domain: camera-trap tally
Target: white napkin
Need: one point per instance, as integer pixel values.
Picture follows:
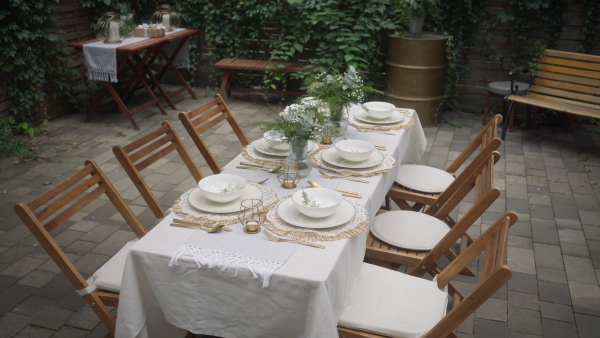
(182, 60)
(101, 59)
(222, 249)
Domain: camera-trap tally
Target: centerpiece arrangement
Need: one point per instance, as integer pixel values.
(339, 91)
(297, 124)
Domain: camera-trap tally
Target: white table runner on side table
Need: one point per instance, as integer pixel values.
(305, 295)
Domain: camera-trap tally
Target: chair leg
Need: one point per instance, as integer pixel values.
(535, 113)
(510, 112)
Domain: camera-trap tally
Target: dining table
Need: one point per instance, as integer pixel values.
(165, 293)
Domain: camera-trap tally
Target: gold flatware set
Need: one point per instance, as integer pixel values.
(343, 192)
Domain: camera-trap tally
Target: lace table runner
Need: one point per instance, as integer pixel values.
(184, 209)
(358, 224)
(406, 123)
(386, 165)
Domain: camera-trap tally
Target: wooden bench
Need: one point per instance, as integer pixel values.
(232, 65)
(565, 82)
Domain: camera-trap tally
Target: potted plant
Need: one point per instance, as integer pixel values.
(414, 12)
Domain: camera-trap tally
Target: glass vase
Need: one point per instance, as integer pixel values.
(415, 25)
(299, 152)
(340, 123)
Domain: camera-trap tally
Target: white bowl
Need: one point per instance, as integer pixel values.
(326, 202)
(222, 188)
(276, 140)
(379, 110)
(354, 150)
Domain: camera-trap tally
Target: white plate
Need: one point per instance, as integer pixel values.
(332, 157)
(262, 146)
(200, 202)
(288, 212)
(363, 116)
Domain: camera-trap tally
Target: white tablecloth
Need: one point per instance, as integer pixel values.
(305, 296)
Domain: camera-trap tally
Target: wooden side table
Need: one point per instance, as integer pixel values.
(502, 88)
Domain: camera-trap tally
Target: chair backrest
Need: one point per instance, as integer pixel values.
(205, 117)
(57, 205)
(493, 274)
(485, 136)
(145, 151)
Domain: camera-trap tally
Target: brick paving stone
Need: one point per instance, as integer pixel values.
(558, 329)
(6, 281)
(548, 256)
(523, 282)
(56, 288)
(592, 232)
(580, 270)
(493, 309)
(13, 295)
(587, 326)
(23, 266)
(554, 292)
(536, 198)
(523, 320)
(523, 300)
(52, 318)
(585, 297)
(579, 250)
(70, 332)
(34, 332)
(518, 205)
(99, 233)
(520, 242)
(12, 323)
(15, 253)
(559, 187)
(571, 236)
(37, 278)
(562, 223)
(33, 305)
(557, 311)
(541, 211)
(490, 328)
(521, 260)
(544, 234)
(85, 318)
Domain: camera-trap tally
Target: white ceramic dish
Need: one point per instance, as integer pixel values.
(222, 188)
(276, 141)
(379, 110)
(354, 150)
(327, 201)
(332, 157)
(262, 146)
(288, 213)
(363, 116)
(200, 202)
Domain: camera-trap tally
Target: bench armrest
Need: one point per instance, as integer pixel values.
(514, 87)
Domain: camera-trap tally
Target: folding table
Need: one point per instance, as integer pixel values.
(140, 64)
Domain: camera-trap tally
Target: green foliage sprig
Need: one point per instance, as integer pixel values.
(591, 25)
(298, 121)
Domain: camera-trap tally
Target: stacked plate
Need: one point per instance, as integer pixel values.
(263, 146)
(288, 213)
(332, 157)
(364, 116)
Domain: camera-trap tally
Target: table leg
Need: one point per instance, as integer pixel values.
(228, 73)
(123, 107)
(169, 64)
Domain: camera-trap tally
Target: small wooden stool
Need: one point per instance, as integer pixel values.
(502, 88)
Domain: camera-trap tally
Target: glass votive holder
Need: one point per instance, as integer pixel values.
(329, 134)
(289, 174)
(251, 215)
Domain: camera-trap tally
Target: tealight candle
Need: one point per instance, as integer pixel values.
(166, 21)
(113, 32)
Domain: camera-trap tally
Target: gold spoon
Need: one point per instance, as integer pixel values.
(211, 229)
(269, 170)
(187, 224)
(343, 192)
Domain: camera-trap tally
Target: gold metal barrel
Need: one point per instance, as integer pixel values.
(415, 74)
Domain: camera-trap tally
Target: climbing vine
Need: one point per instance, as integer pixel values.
(591, 25)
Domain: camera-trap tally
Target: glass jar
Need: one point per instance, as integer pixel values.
(166, 16)
(111, 28)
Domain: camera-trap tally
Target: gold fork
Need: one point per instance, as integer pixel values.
(326, 175)
(273, 238)
(373, 131)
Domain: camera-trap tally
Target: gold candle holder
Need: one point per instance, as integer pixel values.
(328, 133)
(289, 174)
(251, 215)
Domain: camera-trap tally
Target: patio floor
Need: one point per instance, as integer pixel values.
(550, 178)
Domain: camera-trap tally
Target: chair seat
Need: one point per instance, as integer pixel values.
(409, 229)
(391, 303)
(503, 87)
(423, 178)
(109, 276)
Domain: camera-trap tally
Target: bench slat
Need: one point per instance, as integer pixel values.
(566, 86)
(570, 55)
(571, 63)
(568, 78)
(565, 94)
(561, 100)
(549, 102)
(570, 71)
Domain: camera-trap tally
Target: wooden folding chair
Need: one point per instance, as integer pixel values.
(384, 303)
(51, 209)
(141, 153)
(423, 184)
(387, 247)
(207, 116)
